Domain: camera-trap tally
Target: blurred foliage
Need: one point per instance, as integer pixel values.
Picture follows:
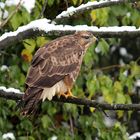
(109, 74)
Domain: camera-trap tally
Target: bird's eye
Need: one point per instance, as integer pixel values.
(86, 37)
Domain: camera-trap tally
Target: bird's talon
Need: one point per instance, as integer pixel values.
(62, 94)
(69, 94)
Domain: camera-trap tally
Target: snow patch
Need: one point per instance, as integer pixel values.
(121, 62)
(134, 136)
(109, 122)
(27, 4)
(3, 13)
(2, 5)
(10, 90)
(97, 50)
(8, 136)
(53, 137)
(3, 68)
(46, 26)
(137, 83)
(128, 14)
(71, 10)
(125, 73)
(123, 51)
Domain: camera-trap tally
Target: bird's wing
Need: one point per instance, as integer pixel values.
(53, 62)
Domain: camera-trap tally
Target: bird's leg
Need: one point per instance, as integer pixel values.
(68, 81)
(69, 94)
(62, 94)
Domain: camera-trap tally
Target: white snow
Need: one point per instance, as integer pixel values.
(109, 122)
(125, 73)
(134, 136)
(10, 90)
(2, 5)
(137, 83)
(97, 50)
(128, 14)
(113, 49)
(8, 136)
(3, 68)
(123, 51)
(46, 26)
(3, 13)
(71, 10)
(53, 138)
(27, 4)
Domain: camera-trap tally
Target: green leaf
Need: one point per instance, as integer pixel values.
(50, 2)
(16, 21)
(25, 66)
(41, 41)
(120, 98)
(45, 121)
(26, 137)
(30, 45)
(103, 46)
(108, 96)
(91, 85)
(135, 69)
(117, 87)
(101, 16)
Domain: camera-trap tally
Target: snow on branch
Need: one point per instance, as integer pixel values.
(45, 27)
(10, 93)
(88, 6)
(14, 95)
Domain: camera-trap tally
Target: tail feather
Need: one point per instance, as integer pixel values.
(30, 101)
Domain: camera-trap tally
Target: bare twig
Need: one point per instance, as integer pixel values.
(71, 125)
(66, 1)
(78, 101)
(43, 9)
(11, 15)
(109, 67)
(72, 11)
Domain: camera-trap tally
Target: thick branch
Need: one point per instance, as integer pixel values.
(72, 11)
(34, 29)
(78, 101)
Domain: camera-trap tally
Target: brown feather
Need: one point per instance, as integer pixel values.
(51, 64)
(30, 98)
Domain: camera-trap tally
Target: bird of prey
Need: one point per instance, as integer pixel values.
(54, 69)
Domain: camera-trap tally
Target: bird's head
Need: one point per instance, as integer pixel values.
(85, 38)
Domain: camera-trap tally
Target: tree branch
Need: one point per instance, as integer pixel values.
(30, 30)
(43, 9)
(78, 101)
(72, 11)
(34, 29)
(11, 15)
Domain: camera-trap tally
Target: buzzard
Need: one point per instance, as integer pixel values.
(54, 69)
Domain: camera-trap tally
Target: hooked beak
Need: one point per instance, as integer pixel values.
(94, 39)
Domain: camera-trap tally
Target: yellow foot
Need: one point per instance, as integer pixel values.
(62, 94)
(66, 95)
(69, 94)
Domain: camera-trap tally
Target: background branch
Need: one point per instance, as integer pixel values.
(72, 11)
(11, 15)
(43, 9)
(34, 29)
(78, 101)
(28, 31)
